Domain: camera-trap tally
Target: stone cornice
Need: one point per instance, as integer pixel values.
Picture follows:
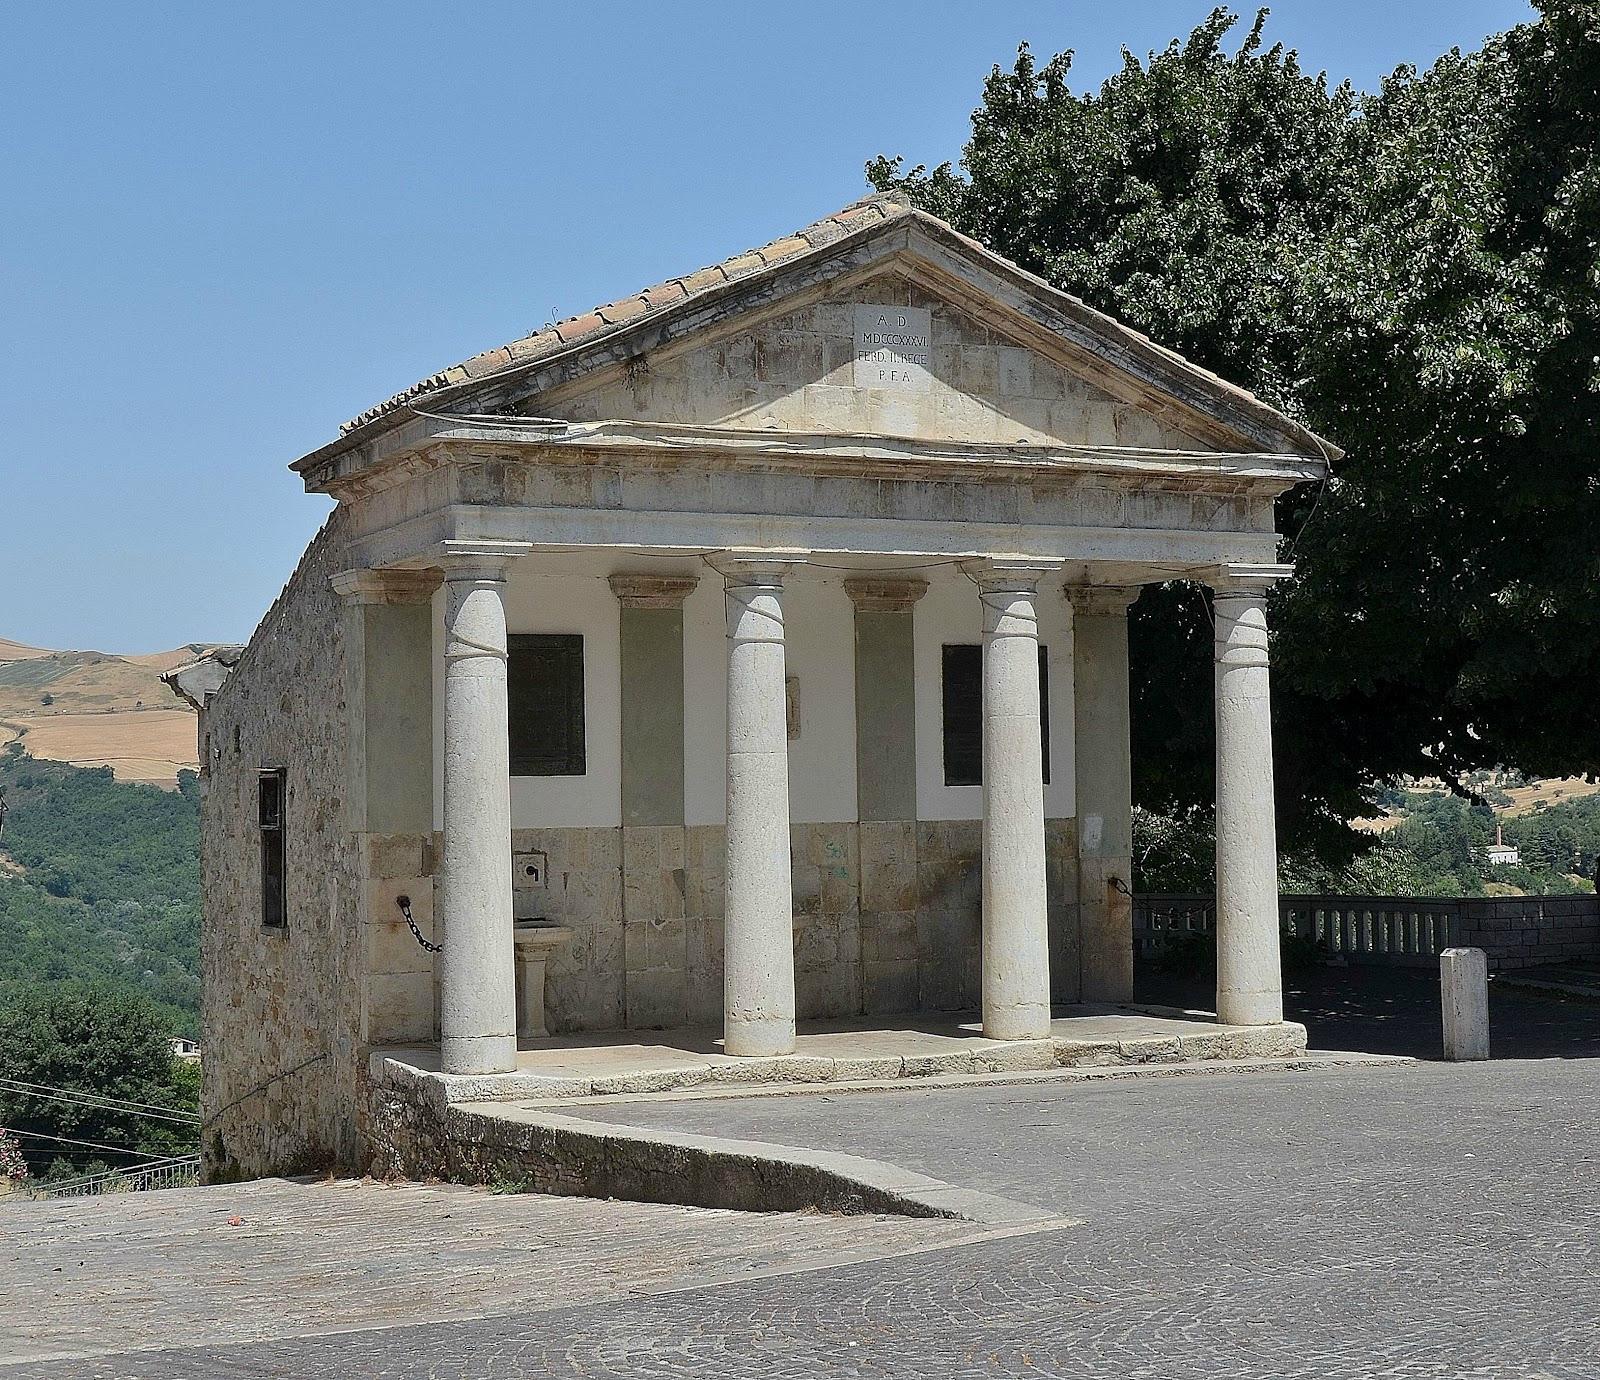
(884, 593)
(385, 586)
(652, 591)
(428, 444)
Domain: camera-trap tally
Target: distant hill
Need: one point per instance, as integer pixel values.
(97, 709)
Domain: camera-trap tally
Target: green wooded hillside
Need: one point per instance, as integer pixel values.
(100, 880)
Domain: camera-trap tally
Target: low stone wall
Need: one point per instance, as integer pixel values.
(415, 1136)
(1525, 931)
(1405, 931)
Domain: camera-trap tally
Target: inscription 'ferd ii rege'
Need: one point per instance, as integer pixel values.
(893, 348)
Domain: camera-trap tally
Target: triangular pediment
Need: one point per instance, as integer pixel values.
(882, 354)
(771, 341)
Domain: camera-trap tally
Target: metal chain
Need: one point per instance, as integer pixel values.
(404, 902)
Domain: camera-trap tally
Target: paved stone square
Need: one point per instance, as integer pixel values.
(1406, 1222)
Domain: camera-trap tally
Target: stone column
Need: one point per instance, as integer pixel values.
(1016, 927)
(1249, 975)
(478, 1004)
(758, 936)
(1104, 788)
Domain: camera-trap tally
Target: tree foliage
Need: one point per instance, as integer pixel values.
(96, 1039)
(101, 883)
(1415, 273)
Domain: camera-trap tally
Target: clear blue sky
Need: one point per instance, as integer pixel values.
(225, 228)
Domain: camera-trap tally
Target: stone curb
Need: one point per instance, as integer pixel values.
(550, 1150)
(1577, 991)
(1122, 1073)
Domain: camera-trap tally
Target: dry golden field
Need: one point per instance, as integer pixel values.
(96, 709)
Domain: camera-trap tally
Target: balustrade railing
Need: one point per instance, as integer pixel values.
(1404, 931)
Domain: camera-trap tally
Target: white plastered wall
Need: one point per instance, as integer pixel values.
(949, 613)
(820, 635)
(538, 603)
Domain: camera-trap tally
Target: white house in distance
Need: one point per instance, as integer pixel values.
(758, 645)
(1500, 853)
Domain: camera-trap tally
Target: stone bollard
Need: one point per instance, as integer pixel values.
(1464, 995)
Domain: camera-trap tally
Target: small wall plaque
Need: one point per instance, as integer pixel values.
(894, 348)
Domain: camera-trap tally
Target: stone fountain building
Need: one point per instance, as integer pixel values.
(758, 644)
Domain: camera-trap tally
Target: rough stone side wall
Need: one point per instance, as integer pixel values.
(281, 1009)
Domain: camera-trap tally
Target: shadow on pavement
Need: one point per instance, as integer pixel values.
(1395, 1011)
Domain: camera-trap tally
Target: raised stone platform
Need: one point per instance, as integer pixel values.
(597, 1064)
(528, 1127)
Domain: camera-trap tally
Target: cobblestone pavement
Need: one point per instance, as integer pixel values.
(1403, 1221)
(277, 1258)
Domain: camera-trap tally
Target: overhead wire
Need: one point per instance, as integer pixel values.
(90, 1103)
(108, 1102)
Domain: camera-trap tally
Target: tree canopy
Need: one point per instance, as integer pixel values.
(1413, 272)
(92, 1038)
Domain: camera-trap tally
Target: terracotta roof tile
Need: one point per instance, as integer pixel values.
(615, 313)
(748, 262)
(880, 206)
(575, 326)
(704, 278)
(664, 294)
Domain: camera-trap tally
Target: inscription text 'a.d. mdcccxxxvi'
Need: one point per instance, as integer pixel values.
(894, 348)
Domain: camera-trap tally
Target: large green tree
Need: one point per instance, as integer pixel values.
(89, 1079)
(1411, 272)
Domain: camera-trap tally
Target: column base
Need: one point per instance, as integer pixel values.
(757, 1039)
(1250, 1008)
(478, 1053)
(1021, 1023)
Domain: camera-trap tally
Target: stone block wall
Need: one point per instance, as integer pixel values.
(886, 920)
(584, 891)
(1524, 931)
(402, 1004)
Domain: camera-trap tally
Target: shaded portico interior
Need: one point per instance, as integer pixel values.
(660, 749)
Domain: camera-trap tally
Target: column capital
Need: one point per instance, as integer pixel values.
(884, 593)
(756, 567)
(1240, 578)
(478, 560)
(652, 591)
(385, 586)
(1010, 572)
(1101, 601)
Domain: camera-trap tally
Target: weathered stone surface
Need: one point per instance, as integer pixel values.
(282, 1008)
(1464, 999)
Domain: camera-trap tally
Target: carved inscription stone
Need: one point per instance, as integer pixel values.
(894, 348)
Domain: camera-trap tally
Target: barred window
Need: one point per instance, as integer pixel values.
(271, 801)
(544, 687)
(963, 713)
